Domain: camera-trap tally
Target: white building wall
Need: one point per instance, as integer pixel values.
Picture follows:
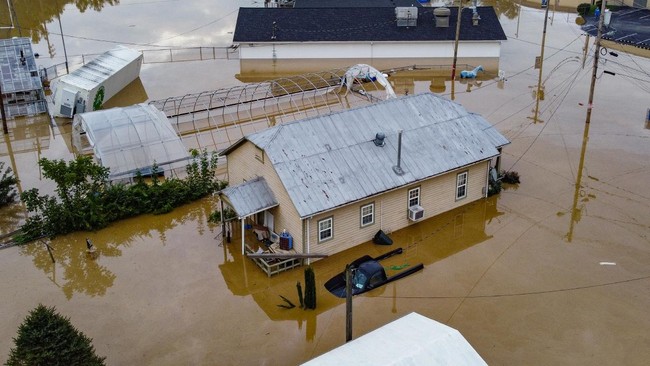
(367, 50)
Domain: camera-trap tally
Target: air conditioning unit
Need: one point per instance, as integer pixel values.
(416, 213)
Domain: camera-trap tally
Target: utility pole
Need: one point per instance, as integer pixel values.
(596, 57)
(65, 53)
(541, 66)
(453, 66)
(5, 129)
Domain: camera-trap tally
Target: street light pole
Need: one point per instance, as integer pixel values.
(596, 57)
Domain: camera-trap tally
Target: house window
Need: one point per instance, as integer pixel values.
(367, 215)
(325, 229)
(461, 185)
(414, 197)
(259, 154)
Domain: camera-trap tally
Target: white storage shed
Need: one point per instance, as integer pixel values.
(88, 87)
(130, 140)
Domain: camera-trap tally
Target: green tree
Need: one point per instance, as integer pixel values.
(7, 185)
(47, 338)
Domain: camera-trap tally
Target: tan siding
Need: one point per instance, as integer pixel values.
(242, 165)
(437, 195)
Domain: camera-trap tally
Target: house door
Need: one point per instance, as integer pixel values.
(268, 220)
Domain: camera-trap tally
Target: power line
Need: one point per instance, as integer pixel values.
(528, 293)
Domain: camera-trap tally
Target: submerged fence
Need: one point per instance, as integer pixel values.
(149, 56)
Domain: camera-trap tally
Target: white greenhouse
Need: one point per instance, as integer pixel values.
(130, 140)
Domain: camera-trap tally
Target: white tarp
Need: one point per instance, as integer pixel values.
(410, 340)
(131, 139)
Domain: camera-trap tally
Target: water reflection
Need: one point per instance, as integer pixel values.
(30, 17)
(576, 212)
(426, 242)
(75, 271)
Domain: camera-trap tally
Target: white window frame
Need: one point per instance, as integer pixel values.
(322, 230)
(415, 196)
(371, 206)
(461, 184)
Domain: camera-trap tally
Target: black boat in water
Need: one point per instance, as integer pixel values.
(367, 274)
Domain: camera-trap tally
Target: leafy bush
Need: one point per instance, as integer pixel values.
(7, 185)
(47, 338)
(584, 9)
(216, 215)
(86, 201)
(510, 177)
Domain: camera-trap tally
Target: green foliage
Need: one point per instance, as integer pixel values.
(86, 201)
(47, 338)
(7, 185)
(510, 177)
(494, 187)
(310, 288)
(216, 215)
(584, 9)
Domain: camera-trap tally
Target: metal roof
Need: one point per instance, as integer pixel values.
(354, 24)
(101, 68)
(19, 74)
(250, 197)
(331, 160)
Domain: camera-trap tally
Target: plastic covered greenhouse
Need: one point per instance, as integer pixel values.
(130, 140)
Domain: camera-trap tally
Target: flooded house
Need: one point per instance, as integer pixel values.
(332, 182)
(274, 41)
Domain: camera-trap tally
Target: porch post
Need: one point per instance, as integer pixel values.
(243, 245)
(223, 220)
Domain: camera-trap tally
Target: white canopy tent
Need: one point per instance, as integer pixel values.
(130, 140)
(410, 340)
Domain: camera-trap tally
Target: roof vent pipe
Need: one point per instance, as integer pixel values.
(398, 168)
(441, 16)
(379, 139)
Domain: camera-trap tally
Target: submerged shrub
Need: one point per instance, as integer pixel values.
(510, 177)
(85, 200)
(7, 185)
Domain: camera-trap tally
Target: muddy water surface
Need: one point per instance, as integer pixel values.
(552, 271)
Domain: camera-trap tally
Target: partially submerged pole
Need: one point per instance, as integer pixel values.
(348, 303)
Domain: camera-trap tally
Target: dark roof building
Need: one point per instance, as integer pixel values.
(359, 24)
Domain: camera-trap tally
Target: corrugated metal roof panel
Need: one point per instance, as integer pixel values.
(330, 160)
(250, 197)
(101, 68)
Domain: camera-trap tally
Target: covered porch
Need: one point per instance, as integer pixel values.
(248, 209)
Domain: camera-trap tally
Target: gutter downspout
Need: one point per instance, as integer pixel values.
(308, 238)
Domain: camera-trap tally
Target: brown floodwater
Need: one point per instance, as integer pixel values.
(555, 270)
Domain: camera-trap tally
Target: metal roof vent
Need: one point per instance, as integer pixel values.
(406, 16)
(441, 16)
(380, 139)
